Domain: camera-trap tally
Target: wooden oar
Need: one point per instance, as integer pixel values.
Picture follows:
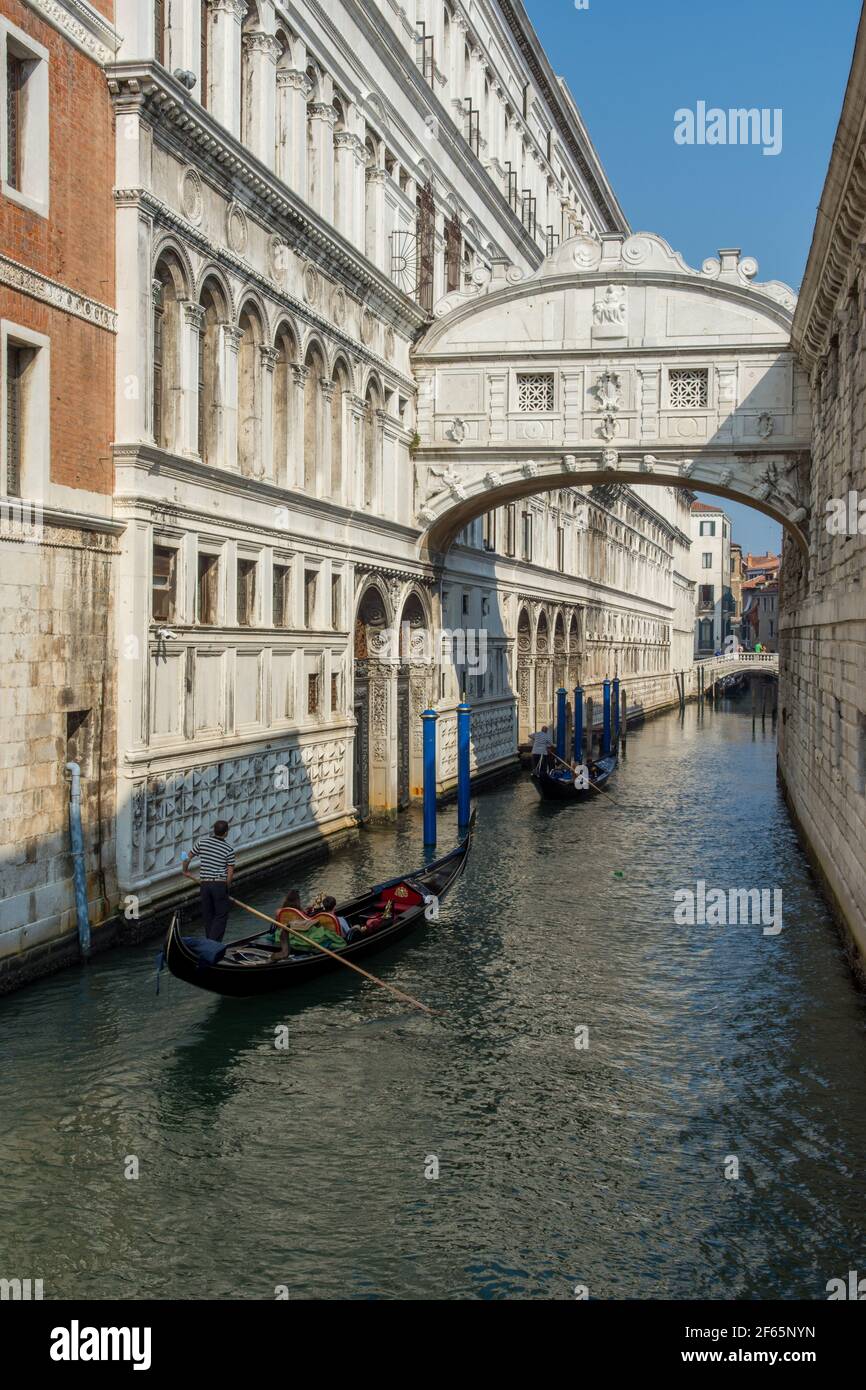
(333, 954)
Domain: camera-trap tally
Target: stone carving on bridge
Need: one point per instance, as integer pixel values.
(648, 463)
(453, 482)
(492, 479)
(529, 470)
(608, 393)
(456, 431)
(781, 486)
(610, 458)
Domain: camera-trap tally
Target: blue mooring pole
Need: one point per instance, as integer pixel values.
(430, 717)
(464, 727)
(605, 740)
(614, 696)
(578, 723)
(561, 721)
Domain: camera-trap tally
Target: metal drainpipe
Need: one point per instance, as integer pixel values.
(78, 866)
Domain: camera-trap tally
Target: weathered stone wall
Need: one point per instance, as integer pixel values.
(822, 726)
(57, 703)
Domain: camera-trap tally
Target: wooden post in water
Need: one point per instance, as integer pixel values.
(590, 715)
(624, 716)
(754, 703)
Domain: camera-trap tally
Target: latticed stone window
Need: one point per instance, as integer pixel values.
(689, 388)
(534, 392)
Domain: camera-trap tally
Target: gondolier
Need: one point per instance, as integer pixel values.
(217, 870)
(541, 746)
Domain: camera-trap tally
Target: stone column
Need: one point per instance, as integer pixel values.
(348, 155)
(323, 462)
(295, 469)
(191, 326)
(268, 356)
(259, 97)
(224, 95)
(320, 175)
(228, 444)
(293, 88)
(135, 327)
(353, 483)
(375, 241)
(383, 740)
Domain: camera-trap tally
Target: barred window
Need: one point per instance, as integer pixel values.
(534, 392)
(689, 388)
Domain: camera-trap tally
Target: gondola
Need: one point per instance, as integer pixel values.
(557, 783)
(249, 967)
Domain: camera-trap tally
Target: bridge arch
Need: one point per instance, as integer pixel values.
(614, 363)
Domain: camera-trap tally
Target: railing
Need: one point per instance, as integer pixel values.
(732, 662)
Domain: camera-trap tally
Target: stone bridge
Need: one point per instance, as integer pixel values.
(614, 362)
(715, 668)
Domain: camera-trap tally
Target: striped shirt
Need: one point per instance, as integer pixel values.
(216, 855)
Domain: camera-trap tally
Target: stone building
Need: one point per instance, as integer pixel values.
(295, 191)
(711, 571)
(58, 539)
(822, 735)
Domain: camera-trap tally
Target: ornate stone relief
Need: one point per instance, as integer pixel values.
(191, 196)
(237, 233)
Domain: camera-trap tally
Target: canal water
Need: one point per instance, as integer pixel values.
(607, 1167)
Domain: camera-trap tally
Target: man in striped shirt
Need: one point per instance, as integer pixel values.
(217, 871)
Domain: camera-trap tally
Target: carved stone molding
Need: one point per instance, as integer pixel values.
(19, 277)
(191, 196)
(237, 232)
(82, 25)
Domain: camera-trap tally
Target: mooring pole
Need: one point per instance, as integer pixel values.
(464, 730)
(561, 721)
(614, 695)
(605, 732)
(624, 717)
(578, 723)
(590, 726)
(430, 717)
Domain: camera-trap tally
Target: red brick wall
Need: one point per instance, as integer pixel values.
(75, 246)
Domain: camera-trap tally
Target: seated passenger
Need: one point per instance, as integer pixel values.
(321, 930)
(328, 905)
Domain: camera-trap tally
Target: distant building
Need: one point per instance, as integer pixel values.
(711, 571)
(738, 575)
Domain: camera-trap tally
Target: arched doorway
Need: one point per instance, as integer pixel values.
(370, 626)
(414, 694)
(524, 672)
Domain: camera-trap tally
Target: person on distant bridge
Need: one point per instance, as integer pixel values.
(541, 746)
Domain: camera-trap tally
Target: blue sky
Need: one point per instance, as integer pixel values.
(630, 64)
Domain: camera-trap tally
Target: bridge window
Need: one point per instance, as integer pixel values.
(534, 392)
(689, 388)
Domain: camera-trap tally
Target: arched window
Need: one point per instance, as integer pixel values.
(166, 394)
(250, 459)
(341, 387)
(372, 404)
(312, 416)
(283, 398)
(210, 384)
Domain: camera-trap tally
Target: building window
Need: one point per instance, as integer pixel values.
(164, 584)
(335, 694)
(534, 392)
(708, 528)
(208, 589)
(310, 584)
(706, 595)
(282, 577)
(707, 560)
(312, 694)
(158, 316)
(511, 529)
(453, 252)
(246, 592)
(705, 638)
(689, 388)
(560, 548)
(489, 530)
(527, 536)
(16, 366)
(336, 601)
(25, 127)
(159, 30)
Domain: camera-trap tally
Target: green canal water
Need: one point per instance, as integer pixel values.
(602, 1166)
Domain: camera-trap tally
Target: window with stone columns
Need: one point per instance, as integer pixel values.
(283, 396)
(250, 459)
(168, 289)
(210, 392)
(371, 436)
(338, 405)
(314, 362)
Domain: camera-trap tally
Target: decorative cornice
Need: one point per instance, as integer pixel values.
(82, 25)
(30, 282)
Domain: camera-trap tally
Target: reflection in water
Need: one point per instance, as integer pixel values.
(557, 1166)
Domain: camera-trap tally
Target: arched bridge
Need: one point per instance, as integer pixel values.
(615, 362)
(715, 668)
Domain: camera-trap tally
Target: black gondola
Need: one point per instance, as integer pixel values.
(556, 783)
(249, 967)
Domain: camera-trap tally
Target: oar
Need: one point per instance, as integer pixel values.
(333, 954)
(594, 786)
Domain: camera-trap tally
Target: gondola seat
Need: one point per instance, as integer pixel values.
(401, 898)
